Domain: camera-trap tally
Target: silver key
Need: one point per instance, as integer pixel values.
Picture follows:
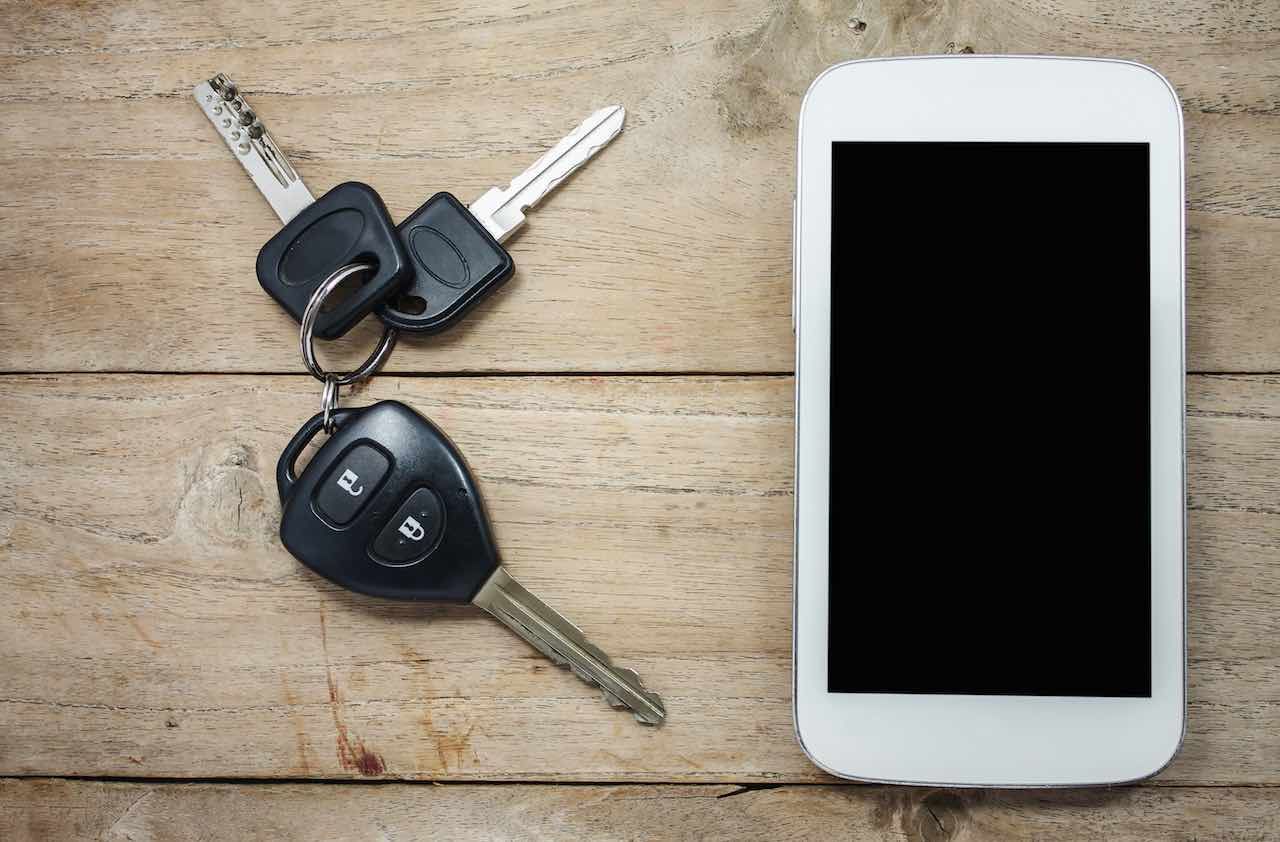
(253, 146)
(501, 210)
(561, 641)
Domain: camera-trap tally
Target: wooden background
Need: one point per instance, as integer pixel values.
(168, 671)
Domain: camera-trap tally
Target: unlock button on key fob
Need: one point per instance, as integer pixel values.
(351, 483)
(412, 530)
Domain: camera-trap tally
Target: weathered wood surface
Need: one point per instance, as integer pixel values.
(38, 810)
(153, 626)
(671, 253)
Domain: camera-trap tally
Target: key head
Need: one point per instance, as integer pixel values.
(455, 261)
(386, 507)
(348, 224)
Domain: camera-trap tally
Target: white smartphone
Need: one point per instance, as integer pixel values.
(989, 570)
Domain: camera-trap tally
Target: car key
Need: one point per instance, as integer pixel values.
(348, 224)
(387, 507)
(456, 251)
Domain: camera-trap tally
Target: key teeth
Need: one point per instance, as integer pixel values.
(223, 86)
(502, 209)
(633, 678)
(249, 140)
(539, 625)
(656, 700)
(628, 675)
(549, 653)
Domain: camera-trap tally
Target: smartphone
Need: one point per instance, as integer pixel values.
(990, 483)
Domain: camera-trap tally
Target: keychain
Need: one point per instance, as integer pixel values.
(388, 507)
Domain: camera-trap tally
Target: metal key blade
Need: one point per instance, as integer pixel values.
(561, 641)
(501, 210)
(253, 146)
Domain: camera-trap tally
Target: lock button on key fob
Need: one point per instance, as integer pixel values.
(412, 531)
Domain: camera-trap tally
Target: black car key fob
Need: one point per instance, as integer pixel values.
(386, 507)
(349, 224)
(455, 263)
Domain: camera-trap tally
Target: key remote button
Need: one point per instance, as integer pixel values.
(351, 483)
(412, 531)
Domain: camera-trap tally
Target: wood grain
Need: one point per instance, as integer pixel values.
(82, 810)
(655, 513)
(671, 253)
(153, 626)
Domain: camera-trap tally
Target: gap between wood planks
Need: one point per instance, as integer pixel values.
(423, 374)
(481, 373)
(742, 787)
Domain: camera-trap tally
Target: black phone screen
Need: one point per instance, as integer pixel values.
(990, 525)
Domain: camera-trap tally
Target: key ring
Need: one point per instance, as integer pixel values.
(329, 402)
(307, 340)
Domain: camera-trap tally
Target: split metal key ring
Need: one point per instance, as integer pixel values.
(329, 402)
(306, 339)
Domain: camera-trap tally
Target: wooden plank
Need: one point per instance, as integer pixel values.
(686, 266)
(653, 512)
(1231, 318)
(85, 810)
(1221, 57)
(154, 627)
(178, 286)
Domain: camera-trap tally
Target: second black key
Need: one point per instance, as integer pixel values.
(456, 250)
